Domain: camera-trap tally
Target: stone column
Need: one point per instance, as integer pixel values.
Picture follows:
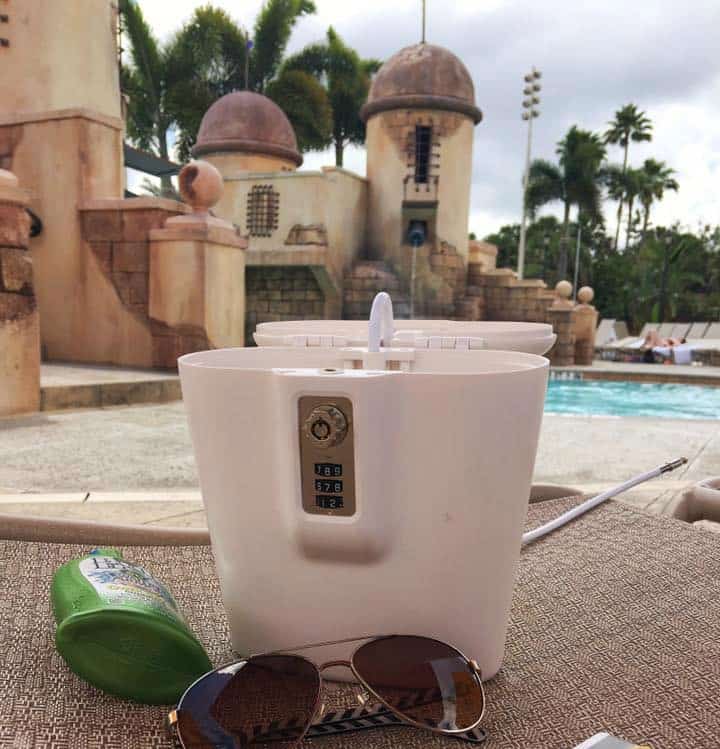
(197, 269)
(560, 316)
(585, 324)
(19, 321)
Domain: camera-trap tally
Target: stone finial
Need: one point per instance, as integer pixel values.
(563, 290)
(585, 295)
(201, 186)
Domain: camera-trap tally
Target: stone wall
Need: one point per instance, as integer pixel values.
(506, 298)
(276, 293)
(118, 234)
(367, 279)
(19, 324)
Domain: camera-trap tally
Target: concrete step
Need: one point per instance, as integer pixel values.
(70, 386)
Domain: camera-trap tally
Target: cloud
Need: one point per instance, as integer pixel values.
(595, 57)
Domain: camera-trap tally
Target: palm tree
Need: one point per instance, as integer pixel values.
(632, 183)
(629, 124)
(347, 80)
(623, 185)
(172, 86)
(214, 54)
(654, 178)
(575, 180)
(206, 60)
(147, 83)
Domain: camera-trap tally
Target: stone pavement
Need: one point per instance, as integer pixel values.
(135, 464)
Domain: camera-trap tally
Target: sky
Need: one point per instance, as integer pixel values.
(595, 56)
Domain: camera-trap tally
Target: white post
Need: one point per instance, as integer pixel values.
(526, 176)
(577, 260)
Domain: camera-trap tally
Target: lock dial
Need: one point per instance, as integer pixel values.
(326, 426)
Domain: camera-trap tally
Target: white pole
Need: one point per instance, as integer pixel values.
(577, 260)
(526, 176)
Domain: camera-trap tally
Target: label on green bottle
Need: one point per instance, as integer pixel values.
(119, 583)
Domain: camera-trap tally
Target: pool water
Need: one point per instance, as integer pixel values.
(606, 398)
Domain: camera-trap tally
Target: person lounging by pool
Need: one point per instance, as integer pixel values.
(655, 344)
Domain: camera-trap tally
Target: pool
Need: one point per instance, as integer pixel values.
(610, 398)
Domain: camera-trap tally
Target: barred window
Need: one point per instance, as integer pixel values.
(423, 144)
(263, 206)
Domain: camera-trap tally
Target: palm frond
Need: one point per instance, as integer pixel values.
(273, 27)
(545, 184)
(305, 102)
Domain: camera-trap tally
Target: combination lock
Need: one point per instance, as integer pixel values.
(327, 455)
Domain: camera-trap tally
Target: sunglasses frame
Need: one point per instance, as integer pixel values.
(318, 706)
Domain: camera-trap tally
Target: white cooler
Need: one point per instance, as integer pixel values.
(355, 493)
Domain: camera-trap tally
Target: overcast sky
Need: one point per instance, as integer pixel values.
(595, 56)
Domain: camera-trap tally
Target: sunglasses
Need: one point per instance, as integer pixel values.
(274, 700)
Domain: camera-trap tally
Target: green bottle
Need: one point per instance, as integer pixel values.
(120, 629)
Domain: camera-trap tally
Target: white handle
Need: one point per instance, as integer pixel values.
(381, 327)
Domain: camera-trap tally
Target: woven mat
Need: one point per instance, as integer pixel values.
(615, 626)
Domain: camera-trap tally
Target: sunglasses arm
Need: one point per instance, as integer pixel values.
(373, 716)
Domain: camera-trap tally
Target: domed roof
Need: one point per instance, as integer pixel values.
(246, 121)
(423, 76)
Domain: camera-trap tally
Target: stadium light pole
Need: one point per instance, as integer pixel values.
(530, 112)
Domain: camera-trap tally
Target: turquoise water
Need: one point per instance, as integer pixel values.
(607, 398)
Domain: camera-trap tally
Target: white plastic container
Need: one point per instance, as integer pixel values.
(532, 338)
(423, 536)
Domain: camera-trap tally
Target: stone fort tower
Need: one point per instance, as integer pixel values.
(420, 116)
(61, 133)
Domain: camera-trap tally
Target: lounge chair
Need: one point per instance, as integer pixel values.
(647, 328)
(706, 350)
(697, 331)
(605, 333)
(60, 530)
(680, 330)
(621, 329)
(666, 329)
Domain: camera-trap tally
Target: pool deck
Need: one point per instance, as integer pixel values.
(86, 456)
(70, 386)
(135, 464)
(657, 373)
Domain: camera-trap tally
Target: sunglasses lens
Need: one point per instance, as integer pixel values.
(426, 681)
(267, 701)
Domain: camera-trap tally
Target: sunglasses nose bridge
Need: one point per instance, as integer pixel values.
(334, 664)
(361, 693)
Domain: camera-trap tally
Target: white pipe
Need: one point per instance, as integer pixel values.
(581, 509)
(381, 327)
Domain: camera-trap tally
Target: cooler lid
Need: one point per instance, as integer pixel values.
(533, 338)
